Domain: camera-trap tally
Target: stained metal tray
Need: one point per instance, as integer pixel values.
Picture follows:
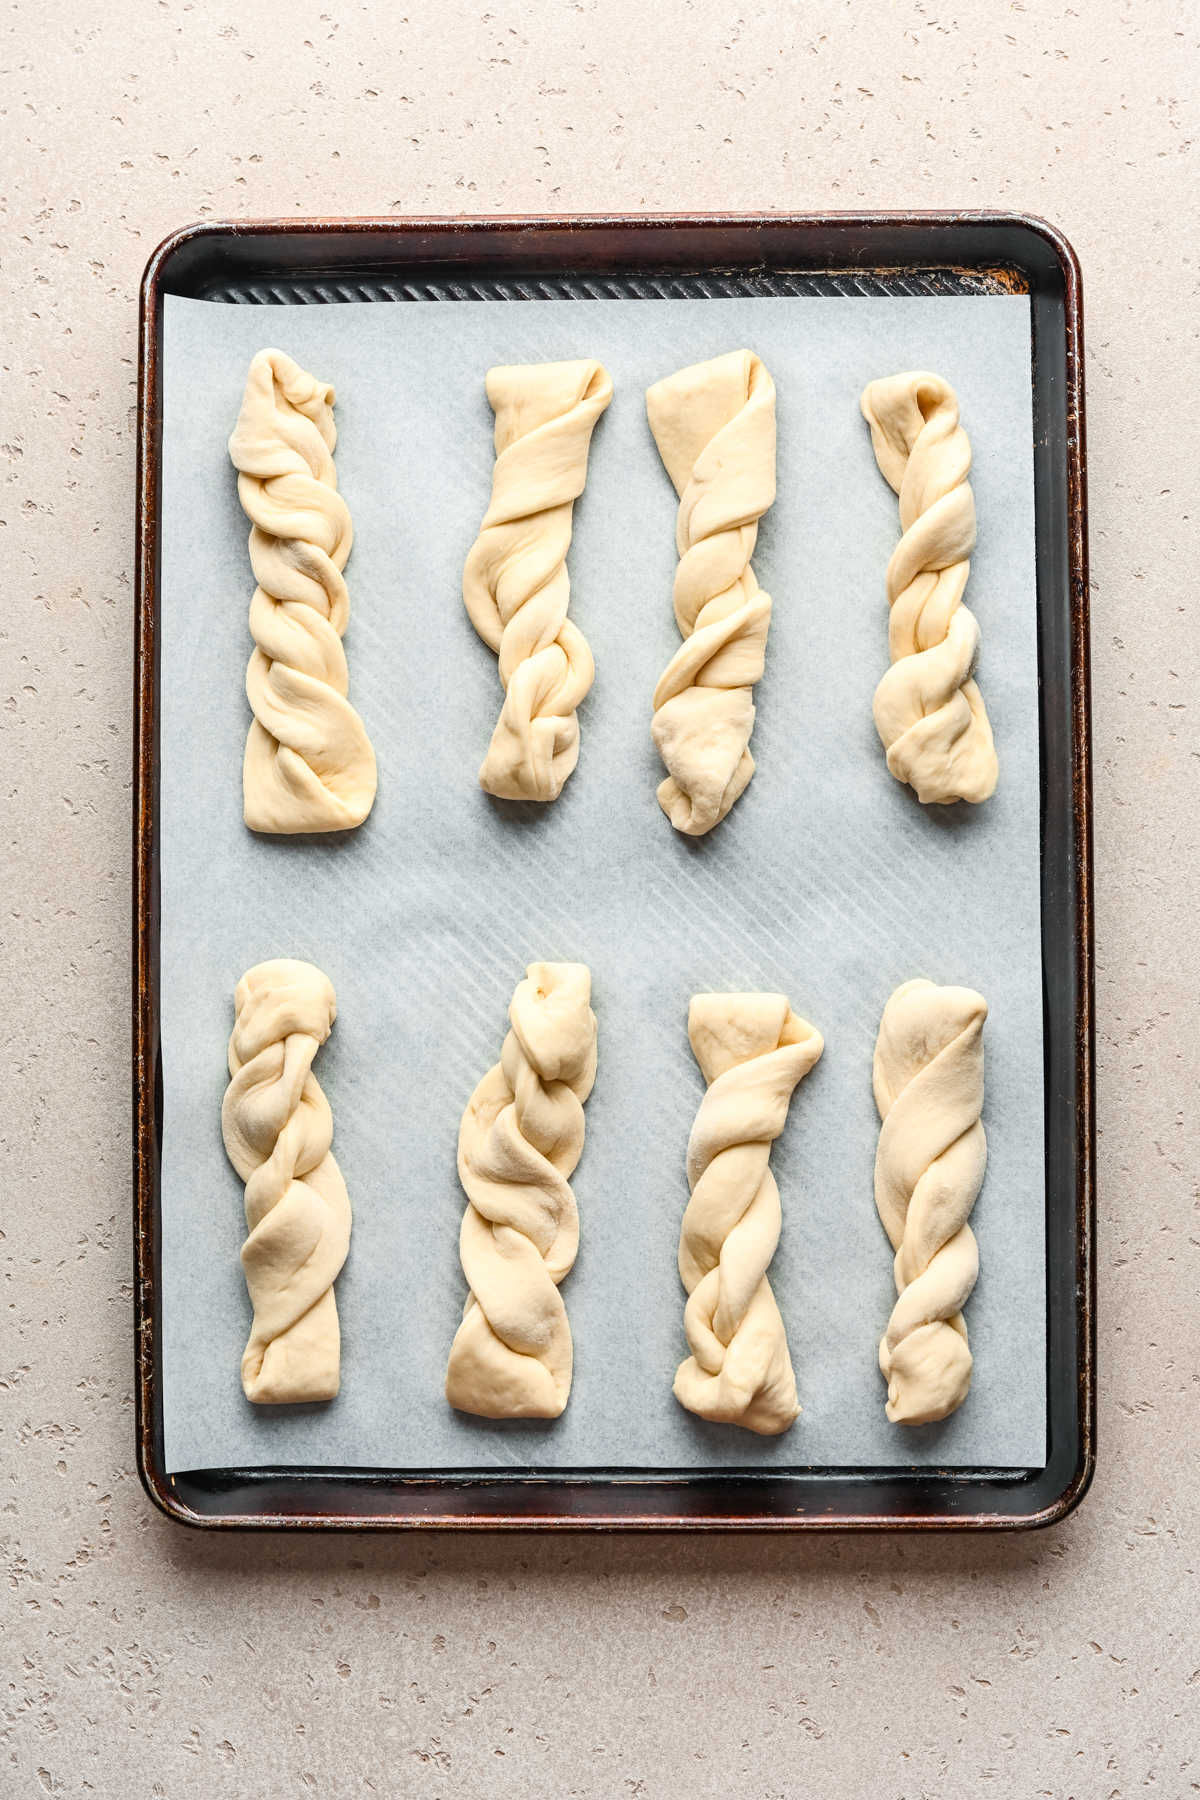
(321, 262)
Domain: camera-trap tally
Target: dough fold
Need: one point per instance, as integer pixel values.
(714, 424)
(929, 1168)
(278, 1129)
(928, 710)
(309, 765)
(515, 582)
(520, 1140)
(753, 1050)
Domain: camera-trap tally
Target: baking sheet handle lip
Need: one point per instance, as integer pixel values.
(501, 225)
(651, 1501)
(179, 1511)
(1080, 1455)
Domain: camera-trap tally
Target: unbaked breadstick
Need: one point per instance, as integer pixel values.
(515, 583)
(752, 1050)
(278, 1130)
(714, 425)
(928, 1169)
(518, 1145)
(928, 710)
(309, 765)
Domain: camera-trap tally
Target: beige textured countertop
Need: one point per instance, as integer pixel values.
(141, 1660)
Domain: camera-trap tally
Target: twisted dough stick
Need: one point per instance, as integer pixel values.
(515, 583)
(309, 765)
(519, 1142)
(928, 711)
(752, 1050)
(928, 1169)
(714, 425)
(277, 1129)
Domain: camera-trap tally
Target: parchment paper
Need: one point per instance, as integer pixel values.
(828, 882)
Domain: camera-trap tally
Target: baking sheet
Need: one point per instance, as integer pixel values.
(828, 882)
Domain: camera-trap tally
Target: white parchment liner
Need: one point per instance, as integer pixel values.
(828, 881)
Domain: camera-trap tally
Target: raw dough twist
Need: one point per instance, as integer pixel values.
(515, 583)
(519, 1142)
(309, 765)
(928, 1169)
(714, 425)
(752, 1050)
(278, 1129)
(928, 711)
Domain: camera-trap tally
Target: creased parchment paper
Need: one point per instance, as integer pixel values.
(828, 881)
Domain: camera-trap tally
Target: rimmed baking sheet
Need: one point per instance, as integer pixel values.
(828, 881)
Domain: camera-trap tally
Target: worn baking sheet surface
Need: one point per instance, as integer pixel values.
(828, 882)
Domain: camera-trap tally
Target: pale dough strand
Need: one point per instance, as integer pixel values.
(753, 1050)
(929, 1167)
(515, 583)
(928, 710)
(714, 424)
(520, 1140)
(278, 1129)
(309, 765)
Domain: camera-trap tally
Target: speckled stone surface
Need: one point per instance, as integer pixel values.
(139, 1660)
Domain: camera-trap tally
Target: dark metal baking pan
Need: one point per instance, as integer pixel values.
(841, 254)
